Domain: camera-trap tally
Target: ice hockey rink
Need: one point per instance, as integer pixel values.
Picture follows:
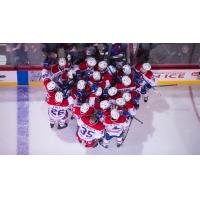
(171, 125)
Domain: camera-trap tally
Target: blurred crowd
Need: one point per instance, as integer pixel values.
(47, 53)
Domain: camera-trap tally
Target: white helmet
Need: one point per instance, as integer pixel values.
(127, 96)
(59, 97)
(102, 65)
(112, 91)
(104, 104)
(84, 108)
(71, 73)
(62, 62)
(99, 91)
(146, 67)
(111, 70)
(51, 86)
(126, 80)
(115, 114)
(120, 102)
(96, 76)
(91, 61)
(127, 69)
(81, 84)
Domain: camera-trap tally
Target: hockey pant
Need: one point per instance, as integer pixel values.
(88, 144)
(145, 90)
(61, 121)
(108, 137)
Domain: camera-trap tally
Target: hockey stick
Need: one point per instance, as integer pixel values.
(166, 85)
(141, 122)
(126, 132)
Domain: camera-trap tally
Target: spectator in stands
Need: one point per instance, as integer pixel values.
(17, 54)
(35, 54)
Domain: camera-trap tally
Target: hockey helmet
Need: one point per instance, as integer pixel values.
(84, 108)
(51, 86)
(112, 91)
(81, 84)
(104, 104)
(62, 62)
(127, 69)
(91, 62)
(115, 114)
(99, 91)
(120, 102)
(145, 67)
(127, 96)
(126, 80)
(102, 65)
(96, 76)
(59, 97)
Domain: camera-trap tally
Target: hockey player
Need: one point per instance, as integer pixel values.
(86, 68)
(120, 102)
(51, 86)
(125, 71)
(129, 108)
(144, 76)
(81, 92)
(115, 126)
(90, 130)
(84, 110)
(58, 110)
(112, 92)
(103, 111)
(126, 83)
(59, 68)
(94, 97)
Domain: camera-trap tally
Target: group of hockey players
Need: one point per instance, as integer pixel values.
(102, 95)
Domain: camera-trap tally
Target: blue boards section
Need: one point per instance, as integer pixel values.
(22, 77)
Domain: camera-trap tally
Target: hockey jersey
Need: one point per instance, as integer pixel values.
(116, 128)
(88, 131)
(57, 110)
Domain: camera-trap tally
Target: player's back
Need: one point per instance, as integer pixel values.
(89, 132)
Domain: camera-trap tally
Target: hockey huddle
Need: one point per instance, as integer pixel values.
(102, 98)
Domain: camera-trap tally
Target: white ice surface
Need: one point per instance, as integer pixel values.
(171, 125)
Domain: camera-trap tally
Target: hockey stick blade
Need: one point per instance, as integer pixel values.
(138, 120)
(166, 85)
